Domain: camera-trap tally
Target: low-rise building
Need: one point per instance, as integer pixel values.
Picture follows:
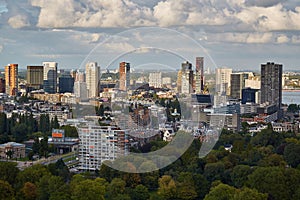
(17, 150)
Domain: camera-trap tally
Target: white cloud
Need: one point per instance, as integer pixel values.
(119, 47)
(241, 37)
(18, 21)
(87, 13)
(282, 39)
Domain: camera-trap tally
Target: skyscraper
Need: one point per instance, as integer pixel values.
(92, 71)
(50, 77)
(187, 78)
(35, 77)
(11, 79)
(271, 84)
(223, 80)
(66, 83)
(124, 71)
(237, 84)
(199, 79)
(155, 79)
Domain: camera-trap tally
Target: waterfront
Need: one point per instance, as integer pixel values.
(291, 97)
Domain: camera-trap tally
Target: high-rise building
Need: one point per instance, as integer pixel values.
(66, 83)
(223, 81)
(2, 85)
(155, 79)
(11, 79)
(35, 77)
(92, 71)
(237, 84)
(124, 71)
(50, 77)
(199, 78)
(249, 95)
(271, 84)
(98, 143)
(187, 78)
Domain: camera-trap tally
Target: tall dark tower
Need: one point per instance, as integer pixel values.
(271, 84)
(199, 79)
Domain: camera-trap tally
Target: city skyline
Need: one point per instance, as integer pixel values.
(239, 34)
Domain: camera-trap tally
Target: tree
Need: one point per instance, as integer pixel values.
(8, 172)
(271, 180)
(19, 132)
(9, 154)
(47, 185)
(54, 123)
(214, 171)
(221, 192)
(186, 186)
(29, 191)
(249, 194)
(115, 188)
(3, 123)
(293, 108)
(60, 169)
(31, 174)
(239, 175)
(89, 190)
(140, 192)
(292, 154)
(6, 191)
(167, 187)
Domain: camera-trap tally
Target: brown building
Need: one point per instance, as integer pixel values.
(35, 77)
(124, 72)
(11, 79)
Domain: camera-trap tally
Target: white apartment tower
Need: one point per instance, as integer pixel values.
(100, 143)
(223, 81)
(92, 76)
(155, 79)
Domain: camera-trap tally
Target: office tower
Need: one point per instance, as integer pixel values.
(124, 72)
(35, 77)
(66, 83)
(271, 84)
(155, 79)
(80, 90)
(199, 78)
(237, 84)
(249, 95)
(2, 85)
(223, 81)
(73, 73)
(100, 143)
(50, 77)
(92, 76)
(187, 78)
(80, 76)
(11, 79)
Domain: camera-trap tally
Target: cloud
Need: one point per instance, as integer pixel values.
(1, 48)
(263, 3)
(86, 13)
(253, 37)
(282, 39)
(18, 21)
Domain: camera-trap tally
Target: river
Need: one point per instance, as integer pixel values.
(291, 97)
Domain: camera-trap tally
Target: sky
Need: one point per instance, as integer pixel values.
(240, 34)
